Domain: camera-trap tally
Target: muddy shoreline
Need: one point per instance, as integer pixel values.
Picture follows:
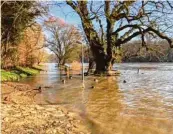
(22, 114)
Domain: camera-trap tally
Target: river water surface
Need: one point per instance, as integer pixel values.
(142, 105)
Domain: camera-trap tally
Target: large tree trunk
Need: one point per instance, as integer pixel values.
(100, 57)
(91, 65)
(103, 65)
(100, 63)
(96, 45)
(110, 66)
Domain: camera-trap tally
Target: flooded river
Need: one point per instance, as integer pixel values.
(141, 105)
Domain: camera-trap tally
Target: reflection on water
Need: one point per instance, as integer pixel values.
(143, 105)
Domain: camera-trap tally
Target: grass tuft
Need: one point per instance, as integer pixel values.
(9, 76)
(27, 70)
(19, 72)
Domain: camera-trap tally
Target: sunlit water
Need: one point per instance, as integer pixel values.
(142, 105)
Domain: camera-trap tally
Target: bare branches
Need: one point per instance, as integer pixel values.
(82, 10)
(95, 13)
(73, 5)
(124, 27)
(62, 41)
(149, 29)
(170, 4)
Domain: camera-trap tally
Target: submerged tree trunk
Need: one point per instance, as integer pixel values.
(103, 65)
(91, 66)
(100, 58)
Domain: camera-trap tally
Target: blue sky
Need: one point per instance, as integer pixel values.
(65, 12)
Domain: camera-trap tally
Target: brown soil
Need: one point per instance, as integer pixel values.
(22, 115)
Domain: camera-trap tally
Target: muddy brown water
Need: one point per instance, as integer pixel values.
(142, 105)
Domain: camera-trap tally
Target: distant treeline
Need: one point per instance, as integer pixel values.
(155, 51)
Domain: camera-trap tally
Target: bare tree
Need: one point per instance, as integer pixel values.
(124, 20)
(62, 40)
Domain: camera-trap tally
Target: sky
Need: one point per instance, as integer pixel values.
(62, 11)
(66, 13)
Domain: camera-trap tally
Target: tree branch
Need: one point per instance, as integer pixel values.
(149, 29)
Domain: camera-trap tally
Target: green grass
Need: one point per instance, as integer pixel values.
(9, 76)
(27, 70)
(18, 72)
(23, 75)
(38, 67)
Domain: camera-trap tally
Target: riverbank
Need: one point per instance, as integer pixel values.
(18, 72)
(21, 113)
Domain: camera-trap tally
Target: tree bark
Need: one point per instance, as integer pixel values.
(100, 57)
(91, 66)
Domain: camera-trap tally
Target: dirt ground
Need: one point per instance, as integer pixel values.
(20, 114)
